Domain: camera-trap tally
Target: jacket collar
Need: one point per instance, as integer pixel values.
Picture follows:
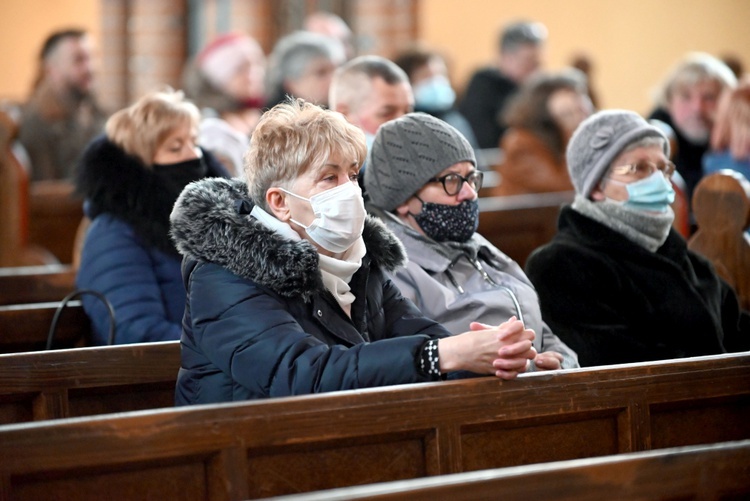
(211, 222)
(117, 183)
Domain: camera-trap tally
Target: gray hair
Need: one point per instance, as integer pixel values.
(693, 68)
(521, 33)
(293, 53)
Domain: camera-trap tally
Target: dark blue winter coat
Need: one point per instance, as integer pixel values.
(127, 255)
(258, 320)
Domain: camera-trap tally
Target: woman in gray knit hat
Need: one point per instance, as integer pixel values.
(617, 283)
(422, 181)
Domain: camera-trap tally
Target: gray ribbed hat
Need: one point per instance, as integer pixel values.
(407, 152)
(599, 140)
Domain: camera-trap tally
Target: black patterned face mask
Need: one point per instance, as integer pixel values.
(448, 223)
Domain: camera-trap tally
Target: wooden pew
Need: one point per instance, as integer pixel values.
(717, 471)
(308, 443)
(36, 284)
(25, 327)
(15, 247)
(54, 216)
(87, 381)
(519, 224)
(721, 204)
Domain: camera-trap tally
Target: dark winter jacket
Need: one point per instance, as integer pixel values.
(484, 101)
(128, 255)
(258, 320)
(613, 301)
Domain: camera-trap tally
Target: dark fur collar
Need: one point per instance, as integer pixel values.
(117, 183)
(207, 226)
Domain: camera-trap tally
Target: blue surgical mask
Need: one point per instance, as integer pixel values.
(434, 94)
(652, 194)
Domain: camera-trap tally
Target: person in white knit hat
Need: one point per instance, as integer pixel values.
(617, 283)
(226, 80)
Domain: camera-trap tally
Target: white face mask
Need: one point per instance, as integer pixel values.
(339, 217)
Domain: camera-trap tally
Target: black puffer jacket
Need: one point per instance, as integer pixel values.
(258, 320)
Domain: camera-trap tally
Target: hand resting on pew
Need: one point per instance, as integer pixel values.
(477, 350)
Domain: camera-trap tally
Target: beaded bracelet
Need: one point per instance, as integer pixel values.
(429, 360)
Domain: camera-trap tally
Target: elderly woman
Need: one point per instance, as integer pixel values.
(287, 292)
(616, 283)
(130, 179)
(541, 119)
(422, 181)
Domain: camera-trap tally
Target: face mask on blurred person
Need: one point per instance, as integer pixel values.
(448, 223)
(339, 217)
(434, 94)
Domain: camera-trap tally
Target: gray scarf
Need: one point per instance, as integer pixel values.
(649, 230)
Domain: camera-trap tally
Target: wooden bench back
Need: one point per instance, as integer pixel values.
(308, 443)
(718, 471)
(36, 284)
(25, 327)
(55, 214)
(87, 381)
(721, 203)
(519, 224)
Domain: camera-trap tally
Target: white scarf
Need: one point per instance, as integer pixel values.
(337, 271)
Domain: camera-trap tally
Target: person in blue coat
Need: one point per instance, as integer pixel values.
(287, 291)
(730, 137)
(130, 178)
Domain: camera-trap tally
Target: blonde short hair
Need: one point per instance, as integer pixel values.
(142, 127)
(694, 68)
(290, 138)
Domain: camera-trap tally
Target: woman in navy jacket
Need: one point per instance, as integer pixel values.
(286, 291)
(130, 179)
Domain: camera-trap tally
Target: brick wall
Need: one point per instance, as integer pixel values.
(145, 42)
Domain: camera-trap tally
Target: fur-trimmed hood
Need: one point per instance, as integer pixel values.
(117, 183)
(211, 222)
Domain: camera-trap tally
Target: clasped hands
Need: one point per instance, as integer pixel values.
(504, 350)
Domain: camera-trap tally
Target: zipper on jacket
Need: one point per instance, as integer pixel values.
(478, 265)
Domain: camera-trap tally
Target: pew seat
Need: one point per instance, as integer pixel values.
(25, 327)
(36, 284)
(315, 442)
(717, 471)
(87, 381)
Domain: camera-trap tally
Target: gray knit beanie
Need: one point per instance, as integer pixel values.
(599, 140)
(406, 153)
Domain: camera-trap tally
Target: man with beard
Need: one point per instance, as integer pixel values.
(61, 115)
(687, 102)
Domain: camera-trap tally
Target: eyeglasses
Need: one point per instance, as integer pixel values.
(452, 183)
(644, 168)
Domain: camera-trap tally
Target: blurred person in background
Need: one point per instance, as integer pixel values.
(433, 92)
(226, 80)
(730, 137)
(301, 65)
(62, 114)
(687, 101)
(542, 118)
(520, 54)
(329, 24)
(130, 178)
